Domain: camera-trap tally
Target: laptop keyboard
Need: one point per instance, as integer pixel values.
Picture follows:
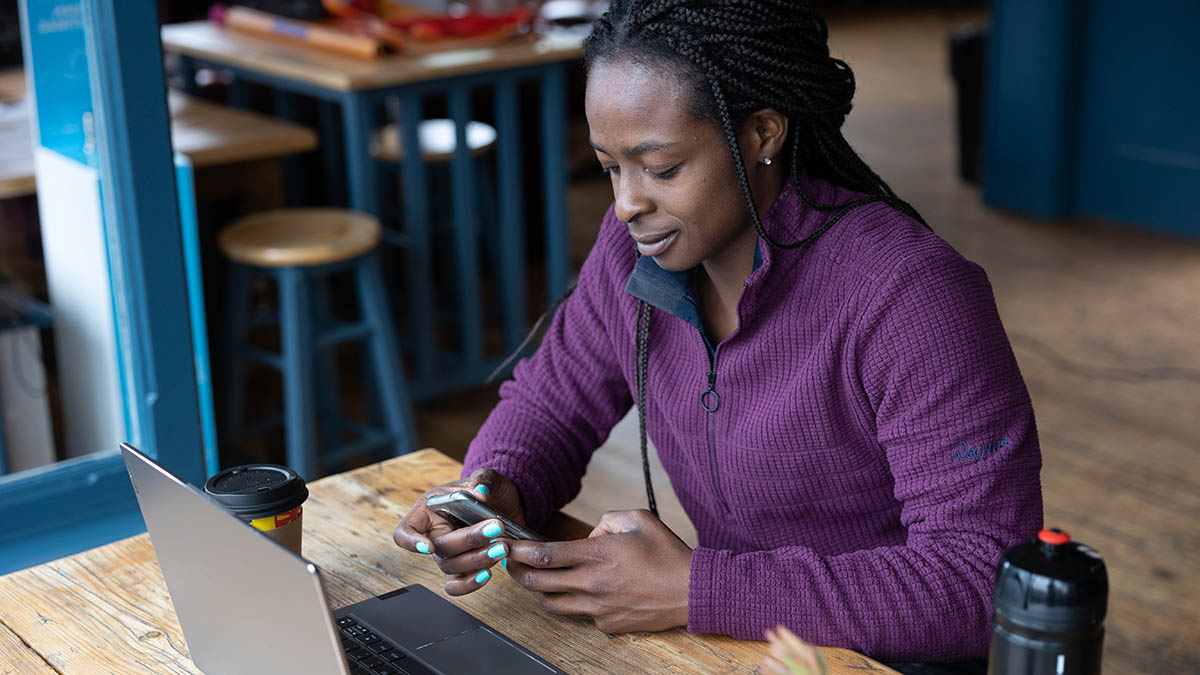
(369, 653)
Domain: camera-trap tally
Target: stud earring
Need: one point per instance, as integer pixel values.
(767, 161)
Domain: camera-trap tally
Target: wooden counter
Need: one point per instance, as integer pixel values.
(107, 609)
(206, 41)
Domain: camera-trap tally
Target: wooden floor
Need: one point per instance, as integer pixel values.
(1104, 321)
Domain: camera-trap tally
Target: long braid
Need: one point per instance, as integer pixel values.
(641, 370)
(740, 56)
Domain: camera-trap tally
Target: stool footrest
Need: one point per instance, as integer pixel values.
(369, 438)
(343, 333)
(265, 357)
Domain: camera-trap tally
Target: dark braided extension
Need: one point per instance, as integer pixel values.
(641, 368)
(739, 56)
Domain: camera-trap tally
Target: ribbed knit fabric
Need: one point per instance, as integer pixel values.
(873, 454)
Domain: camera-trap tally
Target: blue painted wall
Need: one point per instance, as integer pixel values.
(1094, 110)
(1137, 153)
(1031, 96)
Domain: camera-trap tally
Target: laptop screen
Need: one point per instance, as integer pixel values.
(246, 604)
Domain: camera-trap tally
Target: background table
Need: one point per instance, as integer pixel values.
(208, 133)
(359, 90)
(211, 134)
(108, 609)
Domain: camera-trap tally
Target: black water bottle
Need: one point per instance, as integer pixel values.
(1050, 600)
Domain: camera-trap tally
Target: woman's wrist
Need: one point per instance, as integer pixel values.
(681, 610)
(517, 490)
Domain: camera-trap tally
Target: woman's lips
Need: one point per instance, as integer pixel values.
(655, 244)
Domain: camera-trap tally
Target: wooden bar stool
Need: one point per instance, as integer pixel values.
(299, 248)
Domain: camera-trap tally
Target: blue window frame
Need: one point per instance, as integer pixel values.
(113, 119)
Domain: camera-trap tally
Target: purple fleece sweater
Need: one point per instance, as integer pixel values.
(872, 455)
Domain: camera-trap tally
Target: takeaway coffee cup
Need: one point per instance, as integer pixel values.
(268, 496)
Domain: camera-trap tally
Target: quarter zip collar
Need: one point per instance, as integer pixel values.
(660, 288)
(787, 220)
(672, 292)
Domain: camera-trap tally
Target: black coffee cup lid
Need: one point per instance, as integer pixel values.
(257, 490)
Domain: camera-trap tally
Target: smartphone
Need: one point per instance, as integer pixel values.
(463, 510)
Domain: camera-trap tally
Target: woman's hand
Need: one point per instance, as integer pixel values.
(466, 555)
(790, 655)
(630, 574)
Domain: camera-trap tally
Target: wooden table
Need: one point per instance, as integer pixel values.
(356, 92)
(107, 609)
(211, 134)
(208, 133)
(206, 41)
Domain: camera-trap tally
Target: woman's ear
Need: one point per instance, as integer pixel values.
(763, 136)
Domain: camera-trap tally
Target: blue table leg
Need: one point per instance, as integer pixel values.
(554, 163)
(299, 387)
(237, 330)
(397, 406)
(239, 93)
(187, 72)
(417, 224)
(512, 216)
(358, 120)
(466, 226)
(193, 272)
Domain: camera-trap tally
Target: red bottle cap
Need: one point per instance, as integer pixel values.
(1054, 537)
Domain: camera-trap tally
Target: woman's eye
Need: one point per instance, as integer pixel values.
(609, 170)
(663, 175)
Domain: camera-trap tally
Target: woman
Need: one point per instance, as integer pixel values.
(827, 382)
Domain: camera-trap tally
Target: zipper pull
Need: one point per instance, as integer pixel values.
(710, 400)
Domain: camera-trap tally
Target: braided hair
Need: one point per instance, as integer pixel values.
(737, 57)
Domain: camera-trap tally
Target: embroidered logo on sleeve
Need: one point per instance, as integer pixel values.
(964, 452)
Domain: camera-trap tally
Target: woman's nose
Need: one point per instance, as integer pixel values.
(630, 200)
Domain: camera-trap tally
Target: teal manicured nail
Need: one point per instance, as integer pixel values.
(505, 563)
(422, 547)
(483, 576)
(496, 551)
(492, 529)
(482, 489)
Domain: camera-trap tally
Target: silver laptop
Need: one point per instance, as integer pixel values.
(250, 605)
